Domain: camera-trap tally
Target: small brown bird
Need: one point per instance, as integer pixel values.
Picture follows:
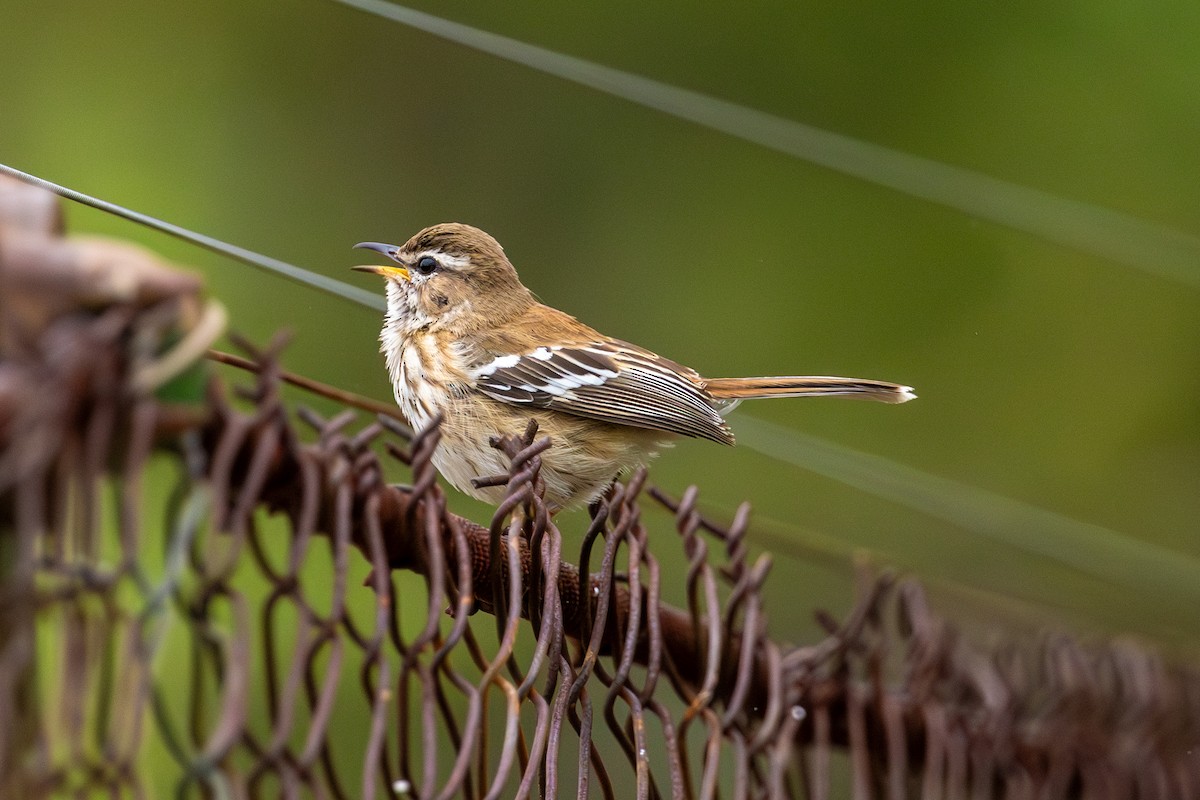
(464, 338)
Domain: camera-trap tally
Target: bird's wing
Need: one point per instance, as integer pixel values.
(610, 380)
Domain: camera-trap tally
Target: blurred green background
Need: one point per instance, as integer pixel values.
(1048, 378)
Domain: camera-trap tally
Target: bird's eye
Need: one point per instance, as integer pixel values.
(426, 265)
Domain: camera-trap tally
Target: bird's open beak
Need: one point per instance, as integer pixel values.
(387, 272)
(389, 250)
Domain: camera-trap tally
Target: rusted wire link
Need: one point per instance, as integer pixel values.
(510, 659)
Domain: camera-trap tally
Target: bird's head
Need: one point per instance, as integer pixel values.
(450, 276)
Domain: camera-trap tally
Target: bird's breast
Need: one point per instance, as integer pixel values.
(425, 376)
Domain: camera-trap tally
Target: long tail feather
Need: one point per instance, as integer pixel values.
(737, 389)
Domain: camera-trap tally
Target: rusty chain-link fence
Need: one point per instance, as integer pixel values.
(204, 634)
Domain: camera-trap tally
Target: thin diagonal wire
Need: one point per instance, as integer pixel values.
(289, 271)
(1087, 547)
(1151, 247)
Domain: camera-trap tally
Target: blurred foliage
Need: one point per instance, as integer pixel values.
(1046, 375)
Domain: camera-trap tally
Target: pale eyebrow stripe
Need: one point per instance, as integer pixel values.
(445, 259)
(1151, 247)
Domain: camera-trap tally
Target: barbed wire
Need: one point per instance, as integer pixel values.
(498, 660)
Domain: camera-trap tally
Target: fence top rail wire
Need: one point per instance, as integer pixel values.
(504, 659)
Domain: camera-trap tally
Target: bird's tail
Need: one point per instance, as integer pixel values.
(730, 391)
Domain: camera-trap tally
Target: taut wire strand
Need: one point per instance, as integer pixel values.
(1090, 548)
(290, 271)
(1151, 247)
